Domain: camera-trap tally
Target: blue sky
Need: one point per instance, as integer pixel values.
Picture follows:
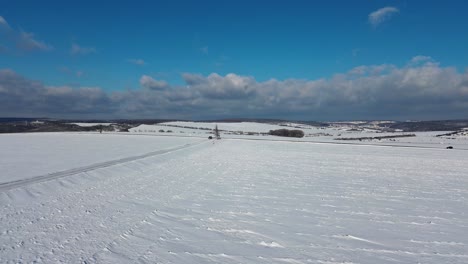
(111, 47)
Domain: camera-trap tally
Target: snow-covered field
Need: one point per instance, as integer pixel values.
(312, 133)
(23, 156)
(230, 201)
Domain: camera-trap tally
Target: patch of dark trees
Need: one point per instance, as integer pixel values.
(133, 122)
(377, 138)
(287, 133)
(455, 133)
(190, 127)
(442, 125)
(57, 126)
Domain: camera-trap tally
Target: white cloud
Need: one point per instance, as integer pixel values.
(204, 50)
(152, 84)
(214, 86)
(381, 15)
(420, 58)
(27, 42)
(139, 62)
(24, 41)
(3, 22)
(79, 50)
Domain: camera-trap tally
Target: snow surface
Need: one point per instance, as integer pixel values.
(23, 156)
(243, 201)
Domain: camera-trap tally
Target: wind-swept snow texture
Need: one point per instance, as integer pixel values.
(237, 201)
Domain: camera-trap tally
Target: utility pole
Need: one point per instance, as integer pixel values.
(216, 132)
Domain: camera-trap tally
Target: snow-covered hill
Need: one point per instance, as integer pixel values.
(251, 130)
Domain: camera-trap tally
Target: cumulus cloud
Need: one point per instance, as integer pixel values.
(139, 62)
(422, 60)
(381, 15)
(414, 91)
(214, 86)
(79, 50)
(24, 41)
(27, 42)
(149, 83)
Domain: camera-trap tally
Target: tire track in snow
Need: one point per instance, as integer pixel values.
(51, 176)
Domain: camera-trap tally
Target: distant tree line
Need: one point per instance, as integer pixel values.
(377, 138)
(57, 126)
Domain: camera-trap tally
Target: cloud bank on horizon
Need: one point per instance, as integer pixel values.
(289, 64)
(421, 89)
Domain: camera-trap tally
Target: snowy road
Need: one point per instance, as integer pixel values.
(239, 201)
